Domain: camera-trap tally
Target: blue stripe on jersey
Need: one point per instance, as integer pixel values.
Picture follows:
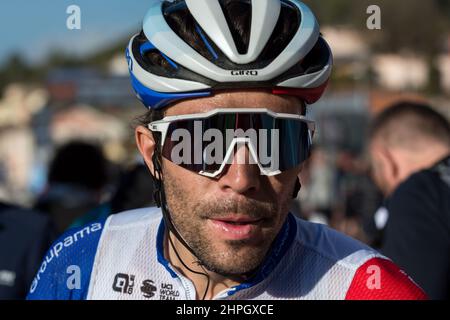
(160, 249)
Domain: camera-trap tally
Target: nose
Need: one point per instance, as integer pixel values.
(241, 176)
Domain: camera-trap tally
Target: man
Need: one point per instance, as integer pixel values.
(132, 193)
(410, 151)
(225, 139)
(25, 236)
(77, 176)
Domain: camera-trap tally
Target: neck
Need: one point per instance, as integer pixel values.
(188, 265)
(426, 158)
(413, 162)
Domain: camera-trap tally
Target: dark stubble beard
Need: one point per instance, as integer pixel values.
(189, 218)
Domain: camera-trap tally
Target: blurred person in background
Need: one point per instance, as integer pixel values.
(77, 178)
(410, 153)
(314, 203)
(357, 196)
(338, 191)
(135, 190)
(25, 236)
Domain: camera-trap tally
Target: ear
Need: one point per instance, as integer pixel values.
(146, 145)
(389, 160)
(391, 167)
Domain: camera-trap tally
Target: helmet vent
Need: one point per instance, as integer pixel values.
(238, 14)
(184, 25)
(285, 30)
(239, 19)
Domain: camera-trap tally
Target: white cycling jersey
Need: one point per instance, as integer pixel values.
(122, 258)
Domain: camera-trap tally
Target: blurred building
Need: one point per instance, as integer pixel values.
(82, 122)
(33, 122)
(346, 43)
(118, 66)
(19, 103)
(400, 72)
(17, 149)
(351, 53)
(90, 86)
(342, 120)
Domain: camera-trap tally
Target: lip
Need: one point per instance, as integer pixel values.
(238, 219)
(236, 228)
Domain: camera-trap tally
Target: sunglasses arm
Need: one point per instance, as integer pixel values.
(160, 126)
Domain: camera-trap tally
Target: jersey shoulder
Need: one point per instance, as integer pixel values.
(65, 269)
(381, 279)
(326, 243)
(363, 273)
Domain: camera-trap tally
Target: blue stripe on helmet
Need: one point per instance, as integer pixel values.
(208, 45)
(149, 46)
(158, 100)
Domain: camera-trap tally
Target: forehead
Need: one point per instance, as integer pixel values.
(238, 99)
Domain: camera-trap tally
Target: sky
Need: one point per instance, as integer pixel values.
(35, 28)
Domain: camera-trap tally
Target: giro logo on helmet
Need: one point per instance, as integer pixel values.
(244, 73)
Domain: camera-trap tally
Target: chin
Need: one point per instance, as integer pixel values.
(238, 260)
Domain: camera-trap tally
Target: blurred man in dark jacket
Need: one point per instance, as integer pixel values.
(25, 236)
(410, 152)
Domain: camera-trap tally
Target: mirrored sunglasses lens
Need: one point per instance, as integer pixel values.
(200, 145)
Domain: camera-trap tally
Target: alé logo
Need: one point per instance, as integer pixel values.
(123, 283)
(214, 147)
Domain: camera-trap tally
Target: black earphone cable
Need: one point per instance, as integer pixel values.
(204, 273)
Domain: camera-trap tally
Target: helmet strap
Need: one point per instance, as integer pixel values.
(160, 199)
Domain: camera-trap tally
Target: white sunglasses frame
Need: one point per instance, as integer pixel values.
(162, 126)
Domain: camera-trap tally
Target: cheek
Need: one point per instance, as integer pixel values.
(186, 183)
(284, 183)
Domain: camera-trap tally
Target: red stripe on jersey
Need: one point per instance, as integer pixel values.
(381, 279)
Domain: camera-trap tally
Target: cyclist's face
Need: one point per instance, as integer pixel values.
(230, 222)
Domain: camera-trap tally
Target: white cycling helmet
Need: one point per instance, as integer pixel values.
(192, 48)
